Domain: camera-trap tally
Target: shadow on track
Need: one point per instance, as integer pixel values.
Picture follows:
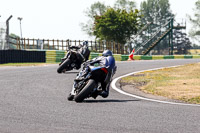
(108, 100)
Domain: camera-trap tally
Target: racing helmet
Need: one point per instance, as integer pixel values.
(85, 43)
(107, 53)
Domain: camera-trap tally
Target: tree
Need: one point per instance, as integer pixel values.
(96, 9)
(116, 25)
(156, 11)
(181, 42)
(195, 31)
(125, 4)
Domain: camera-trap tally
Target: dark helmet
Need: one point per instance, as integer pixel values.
(107, 53)
(85, 43)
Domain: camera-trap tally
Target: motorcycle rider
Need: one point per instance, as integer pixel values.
(108, 61)
(83, 53)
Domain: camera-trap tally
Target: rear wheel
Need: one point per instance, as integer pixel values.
(64, 65)
(85, 91)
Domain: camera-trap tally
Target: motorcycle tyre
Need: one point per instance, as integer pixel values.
(85, 91)
(64, 65)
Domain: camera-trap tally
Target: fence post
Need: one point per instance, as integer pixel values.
(114, 47)
(95, 44)
(62, 44)
(103, 45)
(79, 41)
(99, 45)
(53, 44)
(48, 44)
(33, 42)
(17, 42)
(24, 43)
(28, 44)
(91, 45)
(58, 43)
(68, 43)
(117, 48)
(42, 46)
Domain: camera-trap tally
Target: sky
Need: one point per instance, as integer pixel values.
(60, 19)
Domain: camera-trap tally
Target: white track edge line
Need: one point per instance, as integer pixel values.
(113, 84)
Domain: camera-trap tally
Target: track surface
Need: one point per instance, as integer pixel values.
(34, 100)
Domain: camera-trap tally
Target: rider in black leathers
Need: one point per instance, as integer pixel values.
(83, 55)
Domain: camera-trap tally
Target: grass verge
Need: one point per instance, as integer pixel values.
(179, 83)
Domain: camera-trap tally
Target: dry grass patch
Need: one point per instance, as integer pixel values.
(180, 83)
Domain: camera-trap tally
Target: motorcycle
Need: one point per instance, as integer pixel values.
(88, 82)
(73, 57)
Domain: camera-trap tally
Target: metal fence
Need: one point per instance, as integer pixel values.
(46, 44)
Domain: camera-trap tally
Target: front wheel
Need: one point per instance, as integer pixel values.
(64, 65)
(85, 91)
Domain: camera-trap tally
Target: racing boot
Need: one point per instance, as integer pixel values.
(70, 97)
(105, 92)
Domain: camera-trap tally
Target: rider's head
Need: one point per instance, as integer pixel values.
(107, 53)
(85, 44)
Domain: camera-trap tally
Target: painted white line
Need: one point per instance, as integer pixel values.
(113, 84)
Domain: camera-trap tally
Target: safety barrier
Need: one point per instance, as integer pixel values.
(54, 56)
(21, 56)
(118, 57)
(160, 57)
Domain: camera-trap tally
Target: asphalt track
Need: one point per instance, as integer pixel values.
(34, 100)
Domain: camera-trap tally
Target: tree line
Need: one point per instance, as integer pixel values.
(122, 21)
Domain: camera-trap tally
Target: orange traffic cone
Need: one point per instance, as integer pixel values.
(131, 55)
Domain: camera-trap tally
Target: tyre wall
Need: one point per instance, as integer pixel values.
(21, 56)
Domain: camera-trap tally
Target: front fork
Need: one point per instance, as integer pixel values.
(73, 92)
(64, 58)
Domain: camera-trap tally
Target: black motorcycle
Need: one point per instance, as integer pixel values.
(72, 60)
(88, 82)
